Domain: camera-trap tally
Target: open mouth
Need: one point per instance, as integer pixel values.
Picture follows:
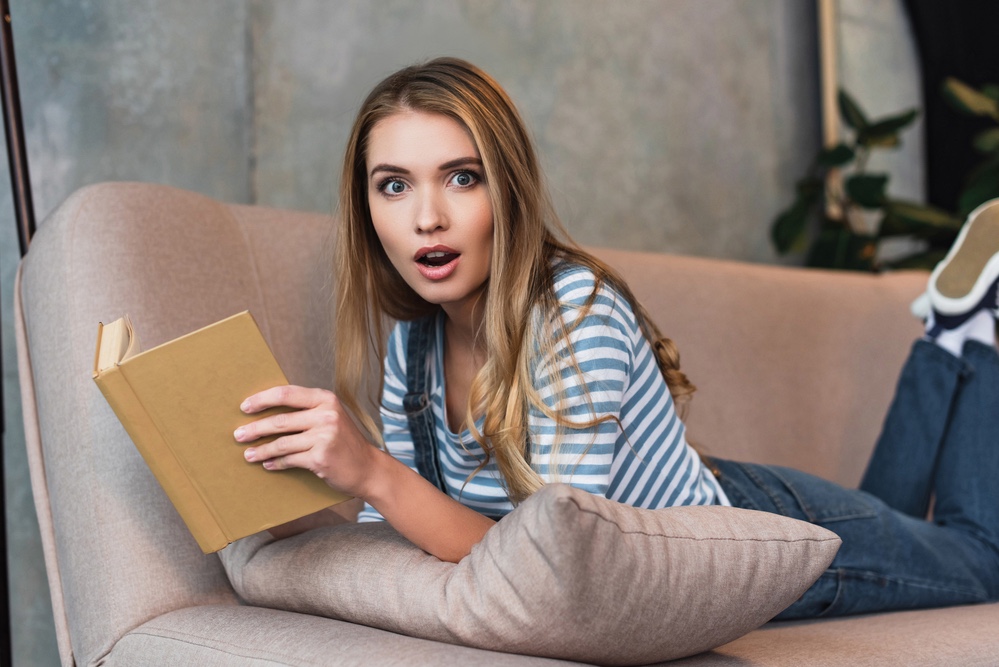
(437, 258)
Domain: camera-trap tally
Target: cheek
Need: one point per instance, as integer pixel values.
(484, 225)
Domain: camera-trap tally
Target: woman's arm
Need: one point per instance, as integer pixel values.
(428, 518)
(321, 437)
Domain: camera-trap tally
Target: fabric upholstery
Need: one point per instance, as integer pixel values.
(964, 636)
(567, 574)
(207, 637)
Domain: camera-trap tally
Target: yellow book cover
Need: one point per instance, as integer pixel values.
(179, 402)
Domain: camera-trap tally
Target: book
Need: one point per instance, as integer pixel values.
(179, 403)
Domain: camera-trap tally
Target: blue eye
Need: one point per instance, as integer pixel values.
(464, 179)
(393, 187)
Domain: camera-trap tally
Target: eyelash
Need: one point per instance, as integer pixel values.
(385, 183)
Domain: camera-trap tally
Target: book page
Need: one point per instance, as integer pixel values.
(116, 342)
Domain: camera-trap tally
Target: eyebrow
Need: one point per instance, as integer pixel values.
(450, 164)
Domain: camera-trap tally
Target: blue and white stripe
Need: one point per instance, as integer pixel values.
(643, 461)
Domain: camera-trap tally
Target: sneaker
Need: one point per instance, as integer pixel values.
(921, 307)
(967, 280)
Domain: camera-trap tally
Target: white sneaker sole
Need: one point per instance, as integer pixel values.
(960, 281)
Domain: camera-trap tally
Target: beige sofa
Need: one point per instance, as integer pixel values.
(794, 367)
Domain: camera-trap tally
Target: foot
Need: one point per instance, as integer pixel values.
(967, 280)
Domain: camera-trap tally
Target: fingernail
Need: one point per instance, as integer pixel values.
(245, 405)
(269, 465)
(239, 433)
(250, 454)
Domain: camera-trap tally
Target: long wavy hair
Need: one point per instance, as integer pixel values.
(528, 242)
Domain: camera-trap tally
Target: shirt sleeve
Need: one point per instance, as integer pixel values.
(395, 425)
(634, 448)
(583, 380)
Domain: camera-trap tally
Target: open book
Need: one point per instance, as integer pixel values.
(179, 402)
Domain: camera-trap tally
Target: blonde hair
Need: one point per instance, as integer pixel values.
(527, 241)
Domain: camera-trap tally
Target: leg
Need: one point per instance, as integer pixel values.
(960, 305)
(902, 468)
(888, 560)
(968, 469)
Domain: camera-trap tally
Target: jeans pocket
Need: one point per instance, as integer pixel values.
(822, 501)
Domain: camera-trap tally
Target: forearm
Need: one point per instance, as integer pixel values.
(431, 520)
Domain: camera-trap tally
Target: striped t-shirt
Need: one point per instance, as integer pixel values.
(642, 458)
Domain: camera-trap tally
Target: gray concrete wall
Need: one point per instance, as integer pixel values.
(673, 126)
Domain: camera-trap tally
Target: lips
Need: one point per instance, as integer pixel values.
(438, 262)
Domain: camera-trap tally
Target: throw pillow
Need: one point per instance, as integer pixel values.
(566, 575)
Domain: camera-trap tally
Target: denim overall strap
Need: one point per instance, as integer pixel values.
(417, 401)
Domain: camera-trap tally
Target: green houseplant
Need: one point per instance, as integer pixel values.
(982, 183)
(855, 213)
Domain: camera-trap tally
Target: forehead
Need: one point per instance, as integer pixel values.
(418, 138)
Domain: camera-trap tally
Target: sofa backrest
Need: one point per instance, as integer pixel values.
(117, 552)
(794, 367)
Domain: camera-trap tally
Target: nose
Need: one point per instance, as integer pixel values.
(431, 213)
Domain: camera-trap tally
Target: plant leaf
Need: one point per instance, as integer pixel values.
(836, 156)
(911, 218)
(991, 90)
(885, 132)
(839, 248)
(788, 230)
(982, 185)
(884, 141)
(924, 260)
(892, 124)
(867, 190)
(987, 141)
(809, 188)
(851, 112)
(969, 100)
(924, 214)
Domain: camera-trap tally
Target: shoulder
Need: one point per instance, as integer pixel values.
(580, 293)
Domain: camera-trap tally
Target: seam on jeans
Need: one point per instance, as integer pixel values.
(986, 542)
(738, 498)
(812, 514)
(868, 575)
(762, 485)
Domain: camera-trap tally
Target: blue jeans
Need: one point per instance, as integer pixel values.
(940, 440)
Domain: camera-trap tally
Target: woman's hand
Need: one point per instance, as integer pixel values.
(318, 435)
(321, 437)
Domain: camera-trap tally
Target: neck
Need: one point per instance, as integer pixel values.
(463, 322)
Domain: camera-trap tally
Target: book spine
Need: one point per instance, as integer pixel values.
(161, 460)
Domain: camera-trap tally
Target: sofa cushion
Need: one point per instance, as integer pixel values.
(964, 636)
(240, 636)
(566, 575)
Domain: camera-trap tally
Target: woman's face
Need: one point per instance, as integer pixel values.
(430, 207)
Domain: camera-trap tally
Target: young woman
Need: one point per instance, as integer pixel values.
(518, 359)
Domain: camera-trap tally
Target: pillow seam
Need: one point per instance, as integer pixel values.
(698, 539)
